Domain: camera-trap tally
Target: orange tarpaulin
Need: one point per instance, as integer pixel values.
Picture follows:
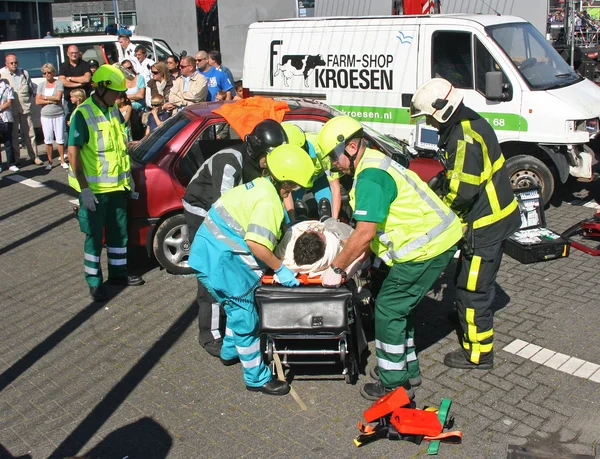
(245, 114)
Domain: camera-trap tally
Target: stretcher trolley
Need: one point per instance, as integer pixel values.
(310, 325)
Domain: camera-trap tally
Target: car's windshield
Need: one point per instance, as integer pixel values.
(147, 149)
(535, 59)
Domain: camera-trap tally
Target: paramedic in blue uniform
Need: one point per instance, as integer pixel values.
(235, 245)
(221, 172)
(478, 190)
(325, 185)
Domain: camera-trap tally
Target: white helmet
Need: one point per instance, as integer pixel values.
(436, 97)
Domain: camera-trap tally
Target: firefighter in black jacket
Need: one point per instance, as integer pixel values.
(221, 172)
(477, 188)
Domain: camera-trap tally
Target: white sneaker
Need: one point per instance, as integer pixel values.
(48, 167)
(65, 156)
(65, 165)
(14, 168)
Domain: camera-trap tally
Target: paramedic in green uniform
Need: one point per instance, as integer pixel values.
(405, 225)
(100, 172)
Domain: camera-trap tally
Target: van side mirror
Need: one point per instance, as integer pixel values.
(495, 89)
(182, 53)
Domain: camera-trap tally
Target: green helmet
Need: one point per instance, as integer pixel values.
(336, 132)
(290, 163)
(295, 134)
(108, 76)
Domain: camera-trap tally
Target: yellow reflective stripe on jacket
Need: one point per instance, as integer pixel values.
(457, 176)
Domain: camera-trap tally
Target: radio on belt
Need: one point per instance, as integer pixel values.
(533, 242)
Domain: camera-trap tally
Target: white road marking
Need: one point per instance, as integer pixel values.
(25, 181)
(75, 202)
(561, 362)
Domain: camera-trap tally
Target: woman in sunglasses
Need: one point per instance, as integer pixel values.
(161, 83)
(136, 87)
(49, 97)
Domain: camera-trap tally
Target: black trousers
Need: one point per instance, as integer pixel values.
(211, 315)
(475, 292)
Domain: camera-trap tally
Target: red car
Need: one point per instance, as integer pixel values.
(164, 163)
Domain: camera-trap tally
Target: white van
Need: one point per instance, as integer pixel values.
(32, 54)
(543, 112)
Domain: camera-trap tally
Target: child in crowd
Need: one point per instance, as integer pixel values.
(77, 97)
(124, 105)
(157, 116)
(239, 90)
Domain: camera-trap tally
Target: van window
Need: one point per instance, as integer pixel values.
(452, 58)
(162, 50)
(485, 63)
(98, 51)
(32, 59)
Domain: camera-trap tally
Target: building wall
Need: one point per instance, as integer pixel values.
(234, 18)
(172, 20)
(18, 19)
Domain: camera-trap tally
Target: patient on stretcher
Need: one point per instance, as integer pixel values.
(309, 247)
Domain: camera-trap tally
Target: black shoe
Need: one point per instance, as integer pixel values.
(301, 210)
(229, 362)
(130, 281)
(374, 391)
(374, 373)
(214, 347)
(98, 293)
(273, 387)
(324, 209)
(458, 359)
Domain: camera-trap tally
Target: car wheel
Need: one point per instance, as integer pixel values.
(527, 171)
(171, 245)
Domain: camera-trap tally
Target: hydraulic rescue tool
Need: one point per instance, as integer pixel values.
(588, 229)
(397, 418)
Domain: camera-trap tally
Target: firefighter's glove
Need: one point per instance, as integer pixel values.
(285, 276)
(88, 199)
(331, 278)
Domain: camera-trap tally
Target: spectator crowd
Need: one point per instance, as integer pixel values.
(154, 92)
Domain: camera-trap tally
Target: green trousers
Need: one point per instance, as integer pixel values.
(401, 291)
(110, 214)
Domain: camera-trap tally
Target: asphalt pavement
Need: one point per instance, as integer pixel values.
(127, 378)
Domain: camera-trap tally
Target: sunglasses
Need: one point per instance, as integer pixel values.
(203, 59)
(46, 73)
(155, 73)
(13, 63)
(127, 68)
(156, 105)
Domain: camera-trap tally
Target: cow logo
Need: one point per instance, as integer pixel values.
(297, 64)
(404, 39)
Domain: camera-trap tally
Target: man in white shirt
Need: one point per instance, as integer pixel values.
(143, 63)
(128, 48)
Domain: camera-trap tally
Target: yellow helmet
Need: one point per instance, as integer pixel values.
(336, 132)
(109, 77)
(290, 163)
(295, 134)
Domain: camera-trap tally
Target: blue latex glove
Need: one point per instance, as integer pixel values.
(285, 276)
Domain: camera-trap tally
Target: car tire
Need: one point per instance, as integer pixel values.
(527, 171)
(171, 245)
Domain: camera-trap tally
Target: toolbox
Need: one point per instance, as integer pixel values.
(533, 242)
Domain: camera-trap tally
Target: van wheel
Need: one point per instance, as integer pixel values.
(171, 245)
(527, 171)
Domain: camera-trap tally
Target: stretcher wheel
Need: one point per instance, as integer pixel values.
(351, 375)
(269, 351)
(342, 351)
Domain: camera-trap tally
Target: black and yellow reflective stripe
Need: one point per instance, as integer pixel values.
(473, 273)
(454, 174)
(493, 218)
(477, 349)
(472, 340)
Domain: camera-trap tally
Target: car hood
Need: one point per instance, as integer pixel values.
(583, 99)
